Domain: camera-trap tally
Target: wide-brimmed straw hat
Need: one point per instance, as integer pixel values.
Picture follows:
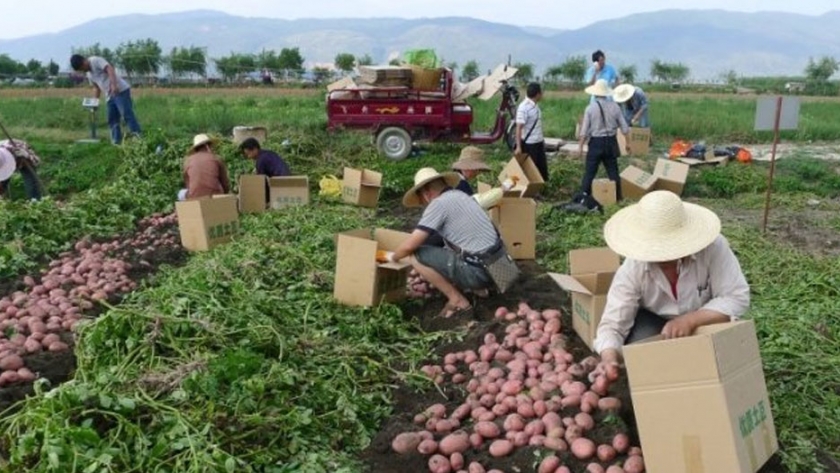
(202, 139)
(471, 158)
(423, 177)
(600, 89)
(623, 92)
(8, 164)
(661, 227)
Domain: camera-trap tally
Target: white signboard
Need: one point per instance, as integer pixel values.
(765, 113)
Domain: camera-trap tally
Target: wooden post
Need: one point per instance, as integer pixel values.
(772, 162)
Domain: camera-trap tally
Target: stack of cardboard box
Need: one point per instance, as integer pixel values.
(667, 175)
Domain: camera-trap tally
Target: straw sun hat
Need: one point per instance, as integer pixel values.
(661, 227)
(8, 164)
(471, 158)
(200, 140)
(599, 89)
(423, 177)
(623, 92)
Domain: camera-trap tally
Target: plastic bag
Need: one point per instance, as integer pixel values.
(421, 57)
(330, 186)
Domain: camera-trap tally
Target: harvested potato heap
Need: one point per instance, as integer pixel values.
(525, 390)
(33, 320)
(418, 288)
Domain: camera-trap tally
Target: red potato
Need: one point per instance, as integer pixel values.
(8, 377)
(439, 464)
(501, 448)
(425, 435)
(501, 312)
(537, 441)
(456, 442)
(559, 445)
(615, 469)
(621, 442)
(458, 378)
(609, 404)
(11, 362)
(476, 467)
(487, 430)
(456, 460)
(520, 439)
(462, 412)
(549, 464)
(32, 345)
(514, 423)
(634, 464)
(563, 469)
(535, 427)
(436, 410)
(583, 448)
(594, 468)
(600, 385)
(572, 400)
(406, 442)
(585, 421)
(476, 441)
(445, 426)
(574, 432)
(540, 408)
(57, 346)
(427, 447)
(606, 453)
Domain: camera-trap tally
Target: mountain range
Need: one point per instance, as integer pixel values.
(709, 42)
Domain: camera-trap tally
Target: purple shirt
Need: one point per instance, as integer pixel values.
(271, 164)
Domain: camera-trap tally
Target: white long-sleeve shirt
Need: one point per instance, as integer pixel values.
(710, 279)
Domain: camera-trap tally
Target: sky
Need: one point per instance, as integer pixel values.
(31, 17)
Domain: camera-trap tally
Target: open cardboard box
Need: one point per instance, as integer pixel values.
(670, 175)
(701, 402)
(288, 190)
(635, 183)
(359, 279)
(530, 181)
(252, 193)
(591, 271)
(638, 141)
(361, 187)
(208, 221)
(516, 219)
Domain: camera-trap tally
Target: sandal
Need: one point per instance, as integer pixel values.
(450, 310)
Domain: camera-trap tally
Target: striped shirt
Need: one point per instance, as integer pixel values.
(595, 125)
(528, 115)
(459, 219)
(710, 279)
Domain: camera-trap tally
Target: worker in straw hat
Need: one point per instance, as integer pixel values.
(19, 155)
(469, 165)
(679, 274)
(634, 104)
(467, 230)
(205, 173)
(602, 120)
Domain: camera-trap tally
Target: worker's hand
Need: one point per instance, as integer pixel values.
(517, 151)
(112, 90)
(682, 326)
(385, 257)
(609, 365)
(597, 66)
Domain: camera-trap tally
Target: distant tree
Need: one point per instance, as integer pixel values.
(142, 57)
(234, 66)
(395, 62)
(9, 67)
(34, 66)
(270, 60)
(470, 71)
(668, 72)
(321, 74)
(53, 68)
(821, 70)
(729, 77)
(184, 61)
(96, 50)
(572, 69)
(290, 61)
(525, 72)
(627, 73)
(345, 62)
(365, 60)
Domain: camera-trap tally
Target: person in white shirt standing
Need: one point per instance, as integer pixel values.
(104, 78)
(679, 274)
(529, 132)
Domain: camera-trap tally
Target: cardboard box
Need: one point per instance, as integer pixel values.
(603, 190)
(359, 279)
(591, 272)
(516, 220)
(288, 190)
(701, 402)
(361, 187)
(208, 221)
(252, 193)
(530, 181)
(638, 141)
(670, 175)
(241, 133)
(635, 183)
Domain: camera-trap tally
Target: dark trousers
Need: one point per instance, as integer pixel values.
(537, 153)
(30, 184)
(646, 325)
(602, 149)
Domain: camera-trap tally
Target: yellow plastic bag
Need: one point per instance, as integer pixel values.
(330, 186)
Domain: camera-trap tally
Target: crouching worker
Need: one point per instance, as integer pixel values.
(471, 240)
(204, 172)
(18, 155)
(469, 165)
(679, 274)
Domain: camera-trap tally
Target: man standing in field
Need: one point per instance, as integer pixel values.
(601, 70)
(267, 163)
(104, 78)
(529, 132)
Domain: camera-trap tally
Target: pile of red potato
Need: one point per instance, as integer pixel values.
(524, 390)
(418, 288)
(32, 320)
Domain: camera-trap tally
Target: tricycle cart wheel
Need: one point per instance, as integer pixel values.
(394, 143)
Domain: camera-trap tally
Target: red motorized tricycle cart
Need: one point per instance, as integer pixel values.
(398, 116)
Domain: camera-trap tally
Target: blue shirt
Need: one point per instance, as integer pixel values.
(636, 103)
(607, 73)
(271, 164)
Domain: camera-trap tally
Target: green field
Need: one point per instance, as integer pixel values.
(265, 372)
